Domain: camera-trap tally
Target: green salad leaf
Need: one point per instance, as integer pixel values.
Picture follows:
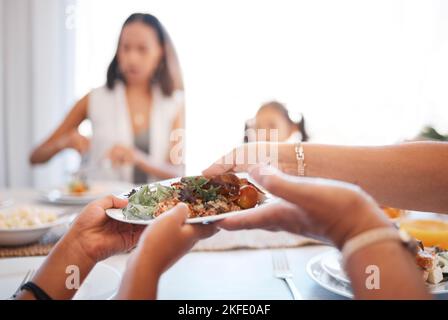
(198, 187)
(143, 202)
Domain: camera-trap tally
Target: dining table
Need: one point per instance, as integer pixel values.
(236, 274)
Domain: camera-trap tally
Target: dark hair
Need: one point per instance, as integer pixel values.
(285, 113)
(168, 75)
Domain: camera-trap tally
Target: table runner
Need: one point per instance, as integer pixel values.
(224, 240)
(41, 248)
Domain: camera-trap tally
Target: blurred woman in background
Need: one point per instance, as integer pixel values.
(275, 116)
(134, 115)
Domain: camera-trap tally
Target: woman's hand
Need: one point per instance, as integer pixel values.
(73, 140)
(320, 208)
(336, 211)
(160, 246)
(240, 159)
(100, 236)
(121, 155)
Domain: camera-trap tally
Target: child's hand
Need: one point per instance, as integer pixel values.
(160, 246)
(92, 237)
(169, 238)
(99, 236)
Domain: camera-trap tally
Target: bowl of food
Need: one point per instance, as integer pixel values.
(27, 224)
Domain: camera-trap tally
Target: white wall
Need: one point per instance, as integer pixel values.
(2, 123)
(52, 78)
(18, 88)
(37, 94)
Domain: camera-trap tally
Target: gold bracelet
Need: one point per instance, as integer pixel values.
(300, 156)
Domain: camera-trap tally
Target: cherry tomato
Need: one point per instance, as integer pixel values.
(248, 197)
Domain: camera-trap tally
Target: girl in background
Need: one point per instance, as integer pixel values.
(274, 115)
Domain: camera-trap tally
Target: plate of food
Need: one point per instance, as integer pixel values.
(432, 261)
(79, 192)
(208, 199)
(22, 225)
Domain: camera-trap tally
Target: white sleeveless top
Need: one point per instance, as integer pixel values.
(111, 125)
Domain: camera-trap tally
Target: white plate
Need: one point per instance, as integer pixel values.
(318, 274)
(98, 190)
(22, 236)
(332, 264)
(102, 282)
(324, 279)
(117, 214)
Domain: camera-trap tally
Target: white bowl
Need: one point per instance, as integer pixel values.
(22, 236)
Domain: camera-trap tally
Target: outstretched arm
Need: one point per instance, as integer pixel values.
(409, 176)
(65, 136)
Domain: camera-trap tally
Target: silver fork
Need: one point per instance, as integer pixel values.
(282, 271)
(29, 275)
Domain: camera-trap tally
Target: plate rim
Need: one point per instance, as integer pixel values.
(45, 195)
(65, 198)
(337, 277)
(316, 260)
